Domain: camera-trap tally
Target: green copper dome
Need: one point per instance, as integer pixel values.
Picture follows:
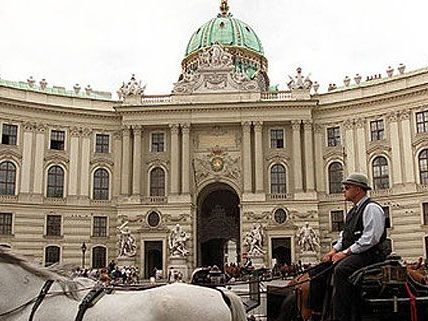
(227, 31)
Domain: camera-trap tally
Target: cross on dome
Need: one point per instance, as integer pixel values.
(224, 8)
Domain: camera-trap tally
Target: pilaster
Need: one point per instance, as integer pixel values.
(39, 159)
(319, 168)
(126, 138)
(361, 145)
(297, 156)
(174, 129)
(85, 163)
(309, 156)
(74, 162)
(136, 164)
(349, 145)
(246, 156)
(395, 148)
(117, 156)
(409, 167)
(27, 167)
(185, 162)
(258, 156)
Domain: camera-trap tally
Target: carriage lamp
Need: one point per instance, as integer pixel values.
(83, 247)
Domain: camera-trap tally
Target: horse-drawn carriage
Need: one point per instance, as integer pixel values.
(388, 290)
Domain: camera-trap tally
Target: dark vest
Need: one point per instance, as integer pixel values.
(354, 228)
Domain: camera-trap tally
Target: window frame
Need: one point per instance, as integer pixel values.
(95, 227)
(45, 252)
(277, 184)
(93, 248)
(7, 183)
(384, 178)
(103, 144)
(423, 175)
(271, 139)
(330, 183)
(336, 225)
(105, 189)
(152, 134)
(152, 187)
(377, 134)
(336, 139)
(3, 226)
(47, 225)
(56, 195)
(51, 140)
(421, 125)
(424, 213)
(16, 134)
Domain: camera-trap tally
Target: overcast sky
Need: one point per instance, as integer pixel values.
(102, 42)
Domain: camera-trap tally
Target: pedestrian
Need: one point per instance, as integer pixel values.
(361, 243)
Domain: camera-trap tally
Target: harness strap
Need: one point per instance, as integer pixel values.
(89, 301)
(413, 308)
(39, 299)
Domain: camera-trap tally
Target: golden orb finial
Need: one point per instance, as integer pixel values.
(224, 8)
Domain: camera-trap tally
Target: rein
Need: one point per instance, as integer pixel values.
(316, 276)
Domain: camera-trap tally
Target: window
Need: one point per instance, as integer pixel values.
(157, 182)
(276, 138)
(335, 177)
(100, 226)
(52, 255)
(5, 223)
(280, 216)
(387, 216)
(277, 179)
(99, 257)
(337, 221)
(422, 122)
(423, 166)
(426, 246)
(380, 173)
(57, 139)
(101, 184)
(102, 142)
(377, 130)
(55, 182)
(158, 142)
(53, 225)
(153, 219)
(333, 136)
(9, 134)
(425, 213)
(7, 178)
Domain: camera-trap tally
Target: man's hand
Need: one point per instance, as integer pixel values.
(338, 256)
(329, 256)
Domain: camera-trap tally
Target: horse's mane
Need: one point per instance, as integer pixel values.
(68, 285)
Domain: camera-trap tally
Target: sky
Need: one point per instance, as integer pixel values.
(104, 42)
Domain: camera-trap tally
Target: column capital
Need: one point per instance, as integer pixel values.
(295, 124)
(307, 124)
(29, 127)
(405, 114)
(246, 126)
(75, 131)
(318, 128)
(360, 122)
(185, 128)
(86, 132)
(126, 131)
(174, 128)
(258, 126)
(137, 130)
(41, 127)
(348, 124)
(392, 116)
(117, 134)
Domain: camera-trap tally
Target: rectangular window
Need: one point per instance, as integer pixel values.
(425, 213)
(377, 130)
(276, 138)
(387, 216)
(333, 136)
(100, 226)
(9, 134)
(337, 221)
(102, 142)
(57, 140)
(158, 142)
(422, 122)
(53, 225)
(5, 223)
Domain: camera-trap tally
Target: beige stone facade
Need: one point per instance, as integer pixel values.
(159, 161)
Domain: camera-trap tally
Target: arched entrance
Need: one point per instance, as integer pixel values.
(218, 226)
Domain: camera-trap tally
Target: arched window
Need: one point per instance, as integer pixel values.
(99, 257)
(335, 177)
(277, 179)
(423, 166)
(52, 255)
(7, 178)
(55, 182)
(101, 184)
(157, 182)
(380, 173)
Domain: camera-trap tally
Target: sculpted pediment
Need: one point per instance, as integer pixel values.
(378, 148)
(10, 152)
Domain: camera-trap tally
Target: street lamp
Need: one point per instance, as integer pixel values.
(83, 247)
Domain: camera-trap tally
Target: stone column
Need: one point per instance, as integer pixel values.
(136, 164)
(185, 161)
(349, 147)
(174, 158)
(117, 157)
(319, 161)
(85, 163)
(39, 157)
(246, 156)
(406, 131)
(258, 156)
(361, 145)
(74, 162)
(126, 150)
(309, 156)
(27, 149)
(297, 156)
(396, 171)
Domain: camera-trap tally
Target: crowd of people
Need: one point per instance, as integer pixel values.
(112, 274)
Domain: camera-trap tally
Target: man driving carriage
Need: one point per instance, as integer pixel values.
(360, 244)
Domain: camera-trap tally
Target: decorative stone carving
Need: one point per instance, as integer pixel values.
(174, 128)
(401, 68)
(88, 90)
(177, 241)
(357, 79)
(215, 72)
(127, 243)
(392, 116)
(347, 81)
(316, 86)
(348, 124)
(299, 81)
(28, 126)
(307, 239)
(390, 71)
(295, 124)
(253, 241)
(132, 89)
(360, 122)
(307, 125)
(31, 81)
(405, 115)
(76, 88)
(43, 84)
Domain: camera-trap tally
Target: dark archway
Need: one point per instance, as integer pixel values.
(218, 221)
(153, 257)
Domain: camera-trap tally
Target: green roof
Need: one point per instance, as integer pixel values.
(227, 31)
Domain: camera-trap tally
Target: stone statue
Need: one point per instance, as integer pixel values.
(127, 244)
(254, 241)
(132, 88)
(177, 241)
(299, 82)
(307, 239)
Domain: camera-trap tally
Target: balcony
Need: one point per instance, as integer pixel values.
(157, 99)
(8, 198)
(279, 197)
(155, 200)
(279, 95)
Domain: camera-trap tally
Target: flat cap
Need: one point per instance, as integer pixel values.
(358, 179)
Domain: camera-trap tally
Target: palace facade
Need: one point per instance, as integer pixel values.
(223, 152)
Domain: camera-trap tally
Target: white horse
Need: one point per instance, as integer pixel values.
(20, 282)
